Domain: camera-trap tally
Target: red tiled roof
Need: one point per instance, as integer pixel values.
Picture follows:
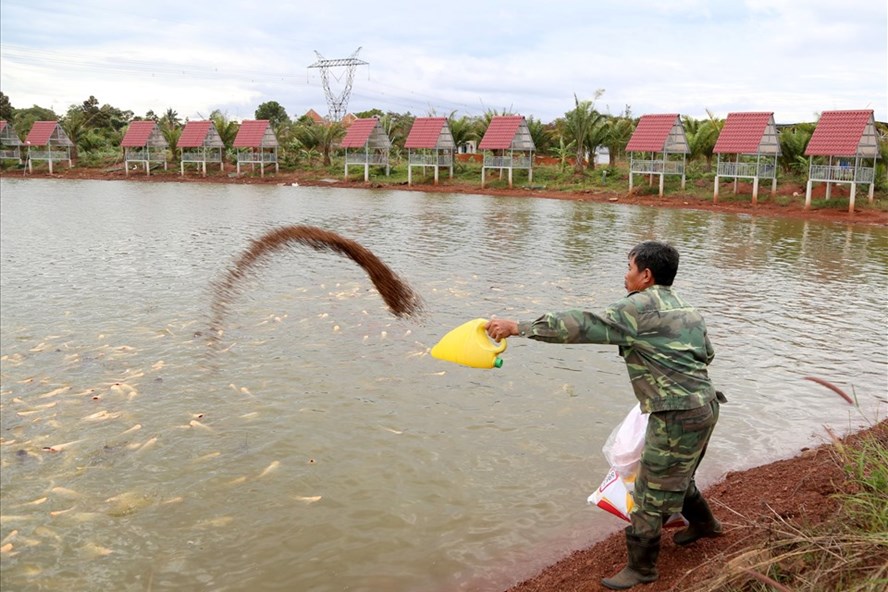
(359, 133)
(137, 134)
(251, 133)
(651, 133)
(313, 115)
(425, 132)
(838, 133)
(41, 132)
(8, 134)
(500, 132)
(742, 133)
(194, 134)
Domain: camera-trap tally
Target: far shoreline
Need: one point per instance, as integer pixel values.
(741, 204)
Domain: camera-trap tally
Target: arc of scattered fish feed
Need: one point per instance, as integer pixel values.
(400, 298)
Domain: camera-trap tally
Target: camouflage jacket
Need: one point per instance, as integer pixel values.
(661, 337)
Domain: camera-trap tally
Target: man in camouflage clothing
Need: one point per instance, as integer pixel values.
(664, 343)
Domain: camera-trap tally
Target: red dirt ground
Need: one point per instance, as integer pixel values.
(766, 208)
(746, 503)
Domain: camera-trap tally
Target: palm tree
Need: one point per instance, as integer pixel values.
(583, 126)
(619, 132)
(462, 129)
(793, 141)
(329, 135)
(226, 127)
(540, 134)
(170, 118)
(702, 136)
(76, 124)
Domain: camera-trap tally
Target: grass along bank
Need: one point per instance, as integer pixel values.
(848, 551)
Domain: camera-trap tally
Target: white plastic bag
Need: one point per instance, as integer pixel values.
(622, 449)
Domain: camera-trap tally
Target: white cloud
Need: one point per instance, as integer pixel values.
(793, 58)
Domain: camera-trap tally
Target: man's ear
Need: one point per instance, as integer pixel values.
(648, 277)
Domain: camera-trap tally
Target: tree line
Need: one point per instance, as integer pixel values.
(96, 130)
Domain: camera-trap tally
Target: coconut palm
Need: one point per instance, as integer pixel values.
(170, 118)
(463, 129)
(584, 127)
(329, 135)
(619, 132)
(540, 134)
(702, 134)
(227, 128)
(793, 141)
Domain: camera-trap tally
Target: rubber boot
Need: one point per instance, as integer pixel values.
(701, 522)
(642, 566)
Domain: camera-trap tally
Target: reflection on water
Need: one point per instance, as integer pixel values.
(321, 448)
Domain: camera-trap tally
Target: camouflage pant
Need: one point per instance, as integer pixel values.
(675, 442)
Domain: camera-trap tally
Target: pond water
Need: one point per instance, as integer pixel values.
(320, 447)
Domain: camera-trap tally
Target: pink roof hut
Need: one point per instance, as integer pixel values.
(144, 143)
(201, 143)
(753, 141)
(508, 145)
(370, 146)
(662, 135)
(843, 149)
(48, 141)
(256, 144)
(429, 143)
(10, 143)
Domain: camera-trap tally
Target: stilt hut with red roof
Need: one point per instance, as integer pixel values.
(10, 143)
(654, 148)
(256, 144)
(369, 145)
(843, 149)
(429, 143)
(48, 141)
(752, 140)
(201, 143)
(507, 145)
(144, 143)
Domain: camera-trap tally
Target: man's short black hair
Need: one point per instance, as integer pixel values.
(660, 258)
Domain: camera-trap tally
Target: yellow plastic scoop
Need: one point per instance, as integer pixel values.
(469, 345)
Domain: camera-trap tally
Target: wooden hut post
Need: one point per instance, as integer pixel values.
(684, 168)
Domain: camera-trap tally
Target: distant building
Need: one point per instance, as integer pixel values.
(429, 144)
(369, 145)
(256, 144)
(48, 141)
(508, 145)
(10, 143)
(144, 143)
(753, 141)
(654, 147)
(843, 149)
(200, 143)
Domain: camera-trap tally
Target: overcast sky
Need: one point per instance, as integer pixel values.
(793, 57)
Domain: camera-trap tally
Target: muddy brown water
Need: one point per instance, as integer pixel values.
(324, 449)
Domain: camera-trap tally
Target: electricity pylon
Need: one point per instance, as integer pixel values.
(338, 104)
